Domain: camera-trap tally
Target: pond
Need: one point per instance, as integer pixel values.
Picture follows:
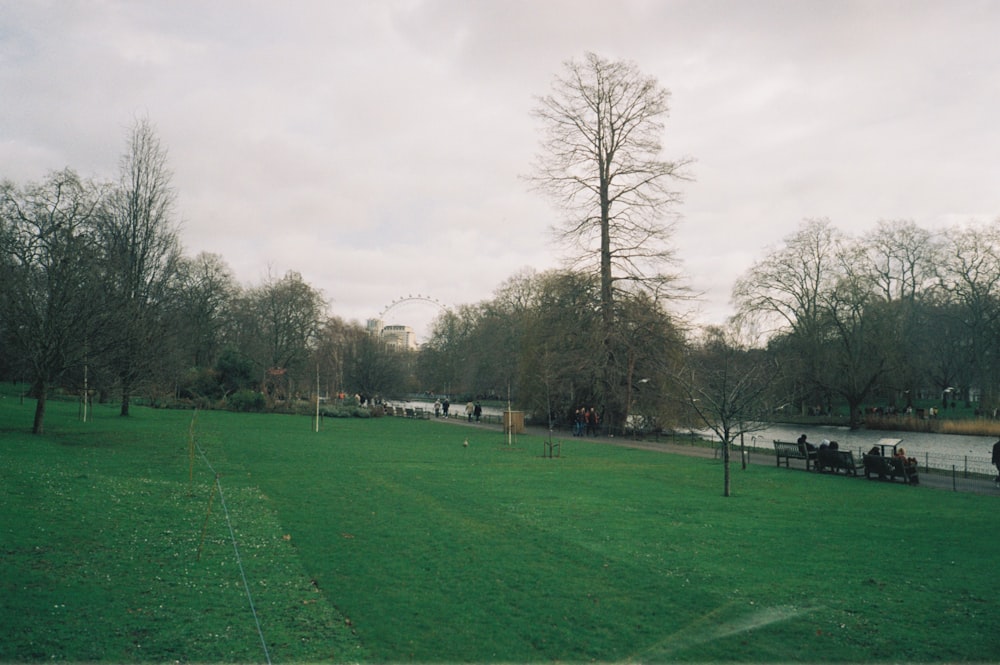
(940, 451)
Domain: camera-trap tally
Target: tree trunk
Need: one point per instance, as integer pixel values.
(41, 393)
(855, 417)
(126, 403)
(725, 464)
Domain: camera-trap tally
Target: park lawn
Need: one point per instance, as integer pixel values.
(101, 531)
(388, 540)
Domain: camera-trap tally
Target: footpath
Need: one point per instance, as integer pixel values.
(937, 480)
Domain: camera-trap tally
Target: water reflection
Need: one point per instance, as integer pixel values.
(935, 450)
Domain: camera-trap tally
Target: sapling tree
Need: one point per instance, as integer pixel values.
(726, 385)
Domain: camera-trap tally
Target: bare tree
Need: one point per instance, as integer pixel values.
(726, 385)
(277, 327)
(204, 292)
(831, 317)
(143, 252)
(969, 273)
(600, 161)
(49, 271)
(783, 294)
(900, 259)
(859, 339)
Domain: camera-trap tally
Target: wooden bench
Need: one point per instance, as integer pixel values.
(836, 460)
(891, 469)
(789, 450)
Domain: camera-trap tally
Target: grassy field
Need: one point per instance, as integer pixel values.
(388, 541)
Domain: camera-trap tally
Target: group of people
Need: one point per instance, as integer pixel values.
(908, 464)
(823, 456)
(586, 421)
(472, 409)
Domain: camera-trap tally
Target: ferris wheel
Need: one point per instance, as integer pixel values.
(408, 299)
(416, 311)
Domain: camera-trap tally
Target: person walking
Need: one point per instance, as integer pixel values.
(593, 427)
(469, 408)
(996, 461)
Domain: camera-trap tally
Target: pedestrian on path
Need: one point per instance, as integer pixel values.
(996, 461)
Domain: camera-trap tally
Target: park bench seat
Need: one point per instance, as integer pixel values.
(836, 460)
(890, 468)
(788, 450)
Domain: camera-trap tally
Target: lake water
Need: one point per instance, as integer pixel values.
(944, 444)
(940, 451)
(936, 450)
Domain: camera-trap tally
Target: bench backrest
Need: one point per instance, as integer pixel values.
(789, 448)
(876, 463)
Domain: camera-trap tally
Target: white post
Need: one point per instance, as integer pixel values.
(317, 398)
(85, 391)
(510, 417)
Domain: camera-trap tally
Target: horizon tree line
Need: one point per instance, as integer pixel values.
(99, 296)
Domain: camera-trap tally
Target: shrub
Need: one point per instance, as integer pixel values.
(344, 411)
(246, 400)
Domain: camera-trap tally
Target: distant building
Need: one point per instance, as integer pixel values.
(395, 337)
(399, 337)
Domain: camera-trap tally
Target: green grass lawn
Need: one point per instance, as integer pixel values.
(387, 540)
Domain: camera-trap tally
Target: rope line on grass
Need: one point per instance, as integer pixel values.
(236, 549)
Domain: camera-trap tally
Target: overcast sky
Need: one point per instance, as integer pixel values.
(377, 147)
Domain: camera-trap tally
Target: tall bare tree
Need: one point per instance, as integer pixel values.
(143, 252)
(49, 272)
(600, 161)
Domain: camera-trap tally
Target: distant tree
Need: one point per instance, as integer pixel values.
(824, 295)
(235, 371)
(439, 361)
(782, 294)
(204, 293)
(140, 241)
(334, 341)
(600, 161)
(561, 358)
(859, 347)
(49, 268)
(649, 339)
(449, 361)
(277, 326)
(969, 273)
(899, 259)
(373, 369)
